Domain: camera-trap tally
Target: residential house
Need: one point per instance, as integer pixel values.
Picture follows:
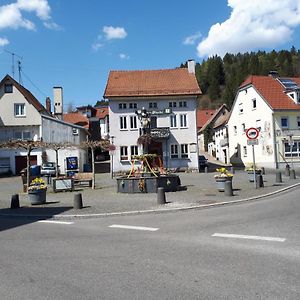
(271, 104)
(169, 100)
(214, 136)
(23, 117)
(203, 115)
(102, 113)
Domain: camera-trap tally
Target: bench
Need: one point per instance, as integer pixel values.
(83, 178)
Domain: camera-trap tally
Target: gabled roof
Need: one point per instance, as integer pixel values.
(151, 83)
(272, 91)
(101, 112)
(203, 115)
(77, 119)
(26, 93)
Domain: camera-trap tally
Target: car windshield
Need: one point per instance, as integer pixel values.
(49, 165)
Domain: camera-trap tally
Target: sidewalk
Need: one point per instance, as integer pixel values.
(201, 190)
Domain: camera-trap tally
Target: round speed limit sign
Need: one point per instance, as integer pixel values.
(252, 133)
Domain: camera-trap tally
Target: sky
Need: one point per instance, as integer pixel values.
(75, 43)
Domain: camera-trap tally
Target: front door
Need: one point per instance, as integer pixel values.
(21, 162)
(155, 148)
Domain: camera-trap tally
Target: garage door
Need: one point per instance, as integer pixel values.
(21, 162)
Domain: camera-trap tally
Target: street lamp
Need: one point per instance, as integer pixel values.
(112, 148)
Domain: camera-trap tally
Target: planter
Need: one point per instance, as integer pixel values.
(37, 197)
(251, 175)
(221, 183)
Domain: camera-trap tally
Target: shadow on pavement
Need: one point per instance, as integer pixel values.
(33, 214)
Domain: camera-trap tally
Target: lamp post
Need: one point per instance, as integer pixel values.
(111, 151)
(291, 143)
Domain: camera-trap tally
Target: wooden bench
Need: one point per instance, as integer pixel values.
(83, 178)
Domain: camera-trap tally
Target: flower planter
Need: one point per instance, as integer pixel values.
(251, 175)
(37, 197)
(221, 183)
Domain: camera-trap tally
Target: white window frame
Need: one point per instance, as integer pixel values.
(19, 110)
(123, 122)
(182, 104)
(287, 121)
(258, 124)
(134, 151)
(133, 105)
(254, 103)
(123, 153)
(184, 151)
(295, 149)
(21, 135)
(133, 123)
(172, 104)
(174, 151)
(122, 105)
(183, 121)
(173, 121)
(152, 104)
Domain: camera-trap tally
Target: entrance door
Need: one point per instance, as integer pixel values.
(20, 162)
(155, 148)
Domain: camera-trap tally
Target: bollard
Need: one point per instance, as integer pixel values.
(78, 201)
(161, 197)
(287, 171)
(259, 181)
(232, 170)
(263, 171)
(15, 203)
(292, 174)
(206, 170)
(278, 177)
(228, 188)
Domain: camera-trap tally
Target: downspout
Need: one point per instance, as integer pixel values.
(275, 142)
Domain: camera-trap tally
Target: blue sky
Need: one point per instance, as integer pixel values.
(75, 43)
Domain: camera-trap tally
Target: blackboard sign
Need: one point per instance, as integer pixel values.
(63, 184)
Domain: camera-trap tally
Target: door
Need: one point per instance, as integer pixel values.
(21, 162)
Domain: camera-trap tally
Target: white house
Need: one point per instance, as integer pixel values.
(272, 105)
(23, 117)
(170, 98)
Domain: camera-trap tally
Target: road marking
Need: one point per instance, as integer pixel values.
(249, 237)
(56, 222)
(134, 227)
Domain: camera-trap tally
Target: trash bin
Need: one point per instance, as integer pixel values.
(35, 170)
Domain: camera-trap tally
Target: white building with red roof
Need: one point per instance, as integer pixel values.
(170, 98)
(272, 105)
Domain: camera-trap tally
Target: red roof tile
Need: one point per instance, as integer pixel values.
(203, 115)
(272, 91)
(77, 119)
(102, 112)
(151, 83)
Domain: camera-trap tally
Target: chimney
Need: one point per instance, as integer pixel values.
(191, 66)
(48, 105)
(273, 74)
(58, 101)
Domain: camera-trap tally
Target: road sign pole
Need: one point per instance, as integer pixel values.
(254, 167)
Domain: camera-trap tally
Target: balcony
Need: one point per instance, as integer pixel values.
(160, 132)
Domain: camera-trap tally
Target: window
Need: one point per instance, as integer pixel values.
(245, 151)
(241, 108)
(258, 124)
(183, 120)
(75, 131)
(243, 127)
(173, 121)
(153, 122)
(132, 105)
(182, 104)
(234, 129)
(22, 135)
(134, 151)
(292, 148)
(19, 109)
(123, 152)
(184, 151)
(123, 122)
(254, 103)
(8, 88)
(133, 122)
(172, 104)
(122, 105)
(174, 151)
(26, 135)
(284, 122)
(152, 104)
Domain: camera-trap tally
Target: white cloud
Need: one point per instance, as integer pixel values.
(96, 46)
(123, 56)
(191, 40)
(114, 32)
(3, 42)
(252, 25)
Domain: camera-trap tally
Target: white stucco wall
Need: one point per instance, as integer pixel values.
(264, 152)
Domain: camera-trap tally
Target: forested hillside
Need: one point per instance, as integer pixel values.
(219, 78)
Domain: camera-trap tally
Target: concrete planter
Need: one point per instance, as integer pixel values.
(251, 175)
(221, 183)
(37, 197)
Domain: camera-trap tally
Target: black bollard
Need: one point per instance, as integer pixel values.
(78, 201)
(292, 174)
(228, 188)
(278, 177)
(259, 181)
(15, 203)
(161, 196)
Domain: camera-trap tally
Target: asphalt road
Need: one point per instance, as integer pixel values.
(183, 255)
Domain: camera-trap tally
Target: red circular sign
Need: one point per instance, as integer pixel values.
(252, 133)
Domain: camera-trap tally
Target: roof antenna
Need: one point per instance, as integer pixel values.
(19, 70)
(13, 61)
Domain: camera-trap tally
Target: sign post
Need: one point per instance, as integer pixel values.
(252, 135)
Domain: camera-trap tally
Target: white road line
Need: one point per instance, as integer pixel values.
(249, 237)
(134, 227)
(56, 222)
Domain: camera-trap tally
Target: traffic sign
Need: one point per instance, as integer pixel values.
(252, 142)
(252, 133)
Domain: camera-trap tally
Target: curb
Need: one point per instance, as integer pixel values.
(149, 211)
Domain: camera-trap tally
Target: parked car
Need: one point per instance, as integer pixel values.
(202, 162)
(49, 168)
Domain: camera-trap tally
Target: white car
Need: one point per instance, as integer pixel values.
(49, 169)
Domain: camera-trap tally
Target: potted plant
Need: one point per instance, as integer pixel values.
(222, 177)
(37, 191)
(250, 172)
